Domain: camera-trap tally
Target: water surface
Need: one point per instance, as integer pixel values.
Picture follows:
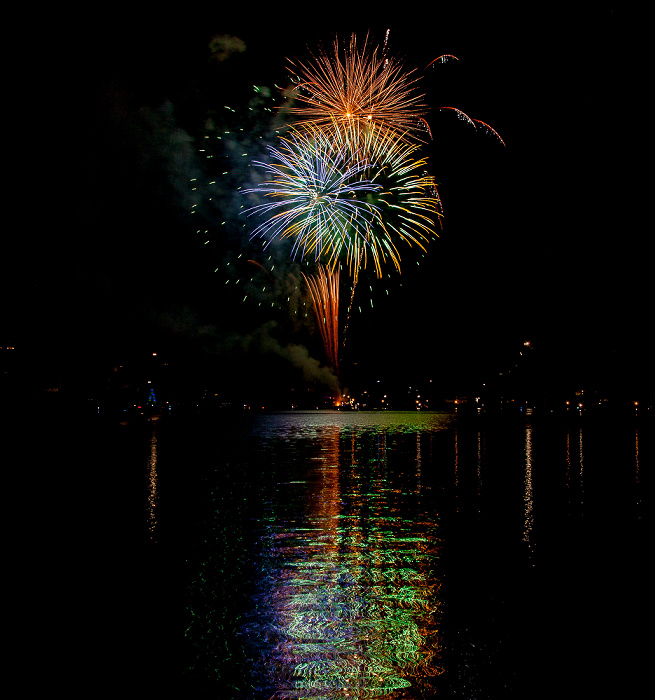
(400, 555)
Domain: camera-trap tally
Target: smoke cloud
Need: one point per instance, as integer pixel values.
(222, 46)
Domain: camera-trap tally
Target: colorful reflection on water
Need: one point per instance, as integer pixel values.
(346, 584)
(322, 571)
(350, 602)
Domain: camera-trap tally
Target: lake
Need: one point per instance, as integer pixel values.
(361, 555)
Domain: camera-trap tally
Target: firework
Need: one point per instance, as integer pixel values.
(407, 200)
(317, 195)
(347, 183)
(475, 123)
(361, 86)
(324, 290)
(355, 205)
(462, 115)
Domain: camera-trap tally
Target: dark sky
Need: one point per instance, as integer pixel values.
(542, 238)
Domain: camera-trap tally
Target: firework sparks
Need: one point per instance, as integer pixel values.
(361, 86)
(324, 290)
(408, 200)
(316, 196)
(335, 203)
(462, 115)
(347, 183)
(475, 122)
(442, 59)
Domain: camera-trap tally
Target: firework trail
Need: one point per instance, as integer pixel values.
(324, 290)
(475, 122)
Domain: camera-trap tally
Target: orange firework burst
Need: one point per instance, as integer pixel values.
(358, 86)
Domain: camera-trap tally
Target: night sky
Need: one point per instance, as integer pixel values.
(544, 239)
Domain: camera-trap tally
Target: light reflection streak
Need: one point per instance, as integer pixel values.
(638, 504)
(581, 471)
(418, 462)
(528, 521)
(568, 468)
(574, 473)
(479, 469)
(152, 486)
(351, 608)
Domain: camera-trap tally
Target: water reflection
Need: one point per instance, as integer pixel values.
(528, 521)
(348, 601)
(152, 484)
(638, 503)
(567, 471)
(479, 466)
(319, 571)
(581, 458)
(418, 461)
(456, 460)
(575, 470)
